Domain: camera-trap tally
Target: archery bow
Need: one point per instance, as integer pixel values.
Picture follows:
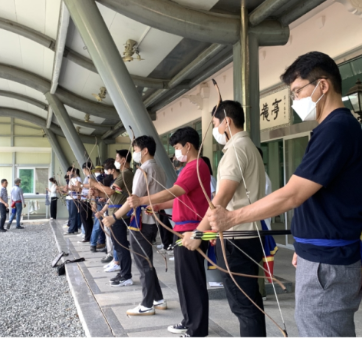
(221, 236)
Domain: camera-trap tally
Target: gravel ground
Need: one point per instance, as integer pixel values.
(34, 300)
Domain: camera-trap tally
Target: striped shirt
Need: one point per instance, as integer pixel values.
(4, 194)
(17, 194)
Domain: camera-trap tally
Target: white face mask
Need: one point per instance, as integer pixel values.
(106, 172)
(220, 138)
(137, 156)
(306, 108)
(96, 174)
(179, 156)
(117, 165)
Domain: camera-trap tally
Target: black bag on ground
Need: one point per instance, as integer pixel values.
(61, 267)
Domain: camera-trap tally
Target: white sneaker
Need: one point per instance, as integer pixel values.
(108, 265)
(171, 258)
(160, 246)
(160, 304)
(113, 268)
(141, 311)
(80, 235)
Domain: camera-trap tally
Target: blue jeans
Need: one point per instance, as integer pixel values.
(96, 229)
(74, 217)
(19, 209)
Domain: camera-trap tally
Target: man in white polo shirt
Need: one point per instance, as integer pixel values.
(241, 160)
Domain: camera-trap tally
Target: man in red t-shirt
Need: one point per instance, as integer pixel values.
(189, 207)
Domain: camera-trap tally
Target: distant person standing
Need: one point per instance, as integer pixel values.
(53, 198)
(17, 201)
(3, 203)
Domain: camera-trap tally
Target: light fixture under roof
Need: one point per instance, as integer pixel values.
(131, 47)
(101, 95)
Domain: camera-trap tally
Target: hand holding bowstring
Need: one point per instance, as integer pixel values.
(221, 236)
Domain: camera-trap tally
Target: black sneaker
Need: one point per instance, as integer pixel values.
(122, 282)
(8, 226)
(107, 259)
(177, 328)
(116, 278)
(19, 227)
(93, 248)
(3, 230)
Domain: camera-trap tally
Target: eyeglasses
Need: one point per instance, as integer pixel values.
(294, 94)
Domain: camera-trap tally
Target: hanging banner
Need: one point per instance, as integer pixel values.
(275, 110)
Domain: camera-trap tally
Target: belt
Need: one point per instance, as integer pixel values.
(115, 206)
(327, 242)
(186, 222)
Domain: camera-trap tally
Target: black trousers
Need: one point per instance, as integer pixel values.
(2, 215)
(192, 289)
(53, 207)
(166, 236)
(87, 220)
(251, 319)
(151, 289)
(119, 233)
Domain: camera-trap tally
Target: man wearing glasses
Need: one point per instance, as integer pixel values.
(325, 192)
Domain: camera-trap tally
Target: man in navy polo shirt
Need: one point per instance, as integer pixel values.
(326, 192)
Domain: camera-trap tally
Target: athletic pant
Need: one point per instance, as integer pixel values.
(119, 234)
(53, 207)
(251, 319)
(2, 215)
(166, 236)
(151, 289)
(192, 289)
(87, 220)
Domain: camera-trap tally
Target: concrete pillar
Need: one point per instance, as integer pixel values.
(103, 151)
(115, 76)
(246, 76)
(205, 121)
(254, 89)
(68, 128)
(57, 150)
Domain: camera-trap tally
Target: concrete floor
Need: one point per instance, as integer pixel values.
(112, 302)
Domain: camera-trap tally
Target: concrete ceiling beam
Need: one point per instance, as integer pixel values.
(71, 55)
(68, 98)
(37, 120)
(98, 127)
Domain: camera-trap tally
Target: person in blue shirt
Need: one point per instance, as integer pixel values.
(17, 199)
(325, 191)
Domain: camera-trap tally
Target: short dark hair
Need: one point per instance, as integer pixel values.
(261, 152)
(110, 159)
(77, 171)
(145, 142)
(233, 109)
(125, 154)
(69, 169)
(207, 161)
(3, 180)
(184, 135)
(110, 165)
(87, 165)
(313, 66)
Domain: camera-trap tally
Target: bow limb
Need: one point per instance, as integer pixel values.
(221, 236)
(198, 249)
